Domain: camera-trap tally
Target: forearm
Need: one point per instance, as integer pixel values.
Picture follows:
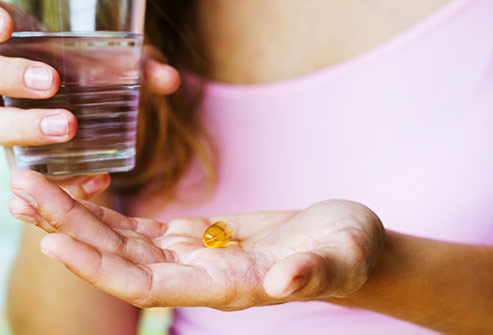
(443, 286)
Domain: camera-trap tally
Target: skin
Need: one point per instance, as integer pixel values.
(270, 267)
(24, 128)
(254, 41)
(439, 285)
(159, 258)
(334, 251)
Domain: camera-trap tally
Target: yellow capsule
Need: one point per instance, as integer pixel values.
(217, 235)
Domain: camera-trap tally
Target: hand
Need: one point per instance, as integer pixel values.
(23, 78)
(327, 250)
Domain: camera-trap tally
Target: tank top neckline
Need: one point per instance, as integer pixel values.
(445, 13)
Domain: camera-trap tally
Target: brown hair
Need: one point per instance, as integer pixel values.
(170, 132)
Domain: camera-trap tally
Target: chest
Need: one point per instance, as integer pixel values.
(406, 131)
(251, 41)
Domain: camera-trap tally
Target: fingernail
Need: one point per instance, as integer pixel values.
(25, 196)
(296, 285)
(38, 78)
(24, 218)
(55, 125)
(94, 184)
(49, 254)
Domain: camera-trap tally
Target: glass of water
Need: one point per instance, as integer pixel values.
(96, 47)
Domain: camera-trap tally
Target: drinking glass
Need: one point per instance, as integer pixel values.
(96, 47)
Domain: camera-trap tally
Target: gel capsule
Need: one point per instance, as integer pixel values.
(217, 235)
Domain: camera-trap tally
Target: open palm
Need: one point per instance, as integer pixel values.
(326, 250)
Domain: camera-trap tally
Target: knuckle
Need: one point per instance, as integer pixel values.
(134, 225)
(98, 211)
(70, 206)
(144, 298)
(143, 302)
(95, 277)
(69, 210)
(121, 245)
(57, 224)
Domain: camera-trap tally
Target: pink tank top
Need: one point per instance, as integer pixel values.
(406, 129)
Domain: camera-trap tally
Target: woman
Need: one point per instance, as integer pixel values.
(403, 128)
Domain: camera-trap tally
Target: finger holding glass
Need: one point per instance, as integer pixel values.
(23, 78)
(29, 79)
(96, 48)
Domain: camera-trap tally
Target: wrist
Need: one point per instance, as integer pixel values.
(390, 268)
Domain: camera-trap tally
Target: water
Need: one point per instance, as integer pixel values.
(100, 75)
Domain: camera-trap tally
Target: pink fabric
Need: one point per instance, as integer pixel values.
(406, 128)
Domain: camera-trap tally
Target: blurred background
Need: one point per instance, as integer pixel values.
(9, 237)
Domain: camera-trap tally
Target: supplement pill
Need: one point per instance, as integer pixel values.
(217, 235)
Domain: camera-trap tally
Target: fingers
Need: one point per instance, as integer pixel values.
(104, 270)
(246, 227)
(69, 216)
(164, 284)
(159, 77)
(36, 126)
(84, 187)
(62, 212)
(22, 78)
(183, 247)
(22, 211)
(115, 220)
(6, 25)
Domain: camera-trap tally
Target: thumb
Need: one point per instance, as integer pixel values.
(315, 274)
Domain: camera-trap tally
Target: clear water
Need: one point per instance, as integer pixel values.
(100, 75)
